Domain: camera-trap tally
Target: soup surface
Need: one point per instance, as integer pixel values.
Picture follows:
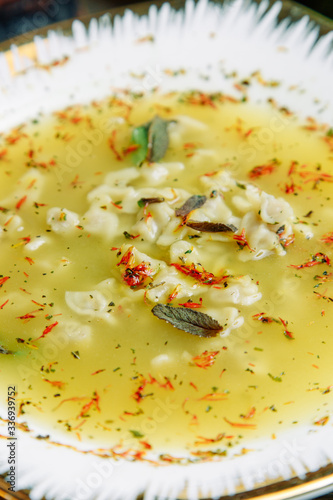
(180, 307)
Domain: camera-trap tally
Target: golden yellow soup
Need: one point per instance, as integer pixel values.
(231, 228)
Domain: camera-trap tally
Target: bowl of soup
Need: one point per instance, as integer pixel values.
(166, 245)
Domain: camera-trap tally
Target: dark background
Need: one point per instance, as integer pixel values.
(22, 16)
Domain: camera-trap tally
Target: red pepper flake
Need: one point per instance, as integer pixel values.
(38, 304)
(127, 258)
(189, 145)
(3, 153)
(9, 221)
(3, 280)
(116, 205)
(131, 149)
(98, 371)
(93, 402)
(206, 359)
(291, 188)
(32, 183)
(75, 182)
(20, 202)
(292, 168)
(261, 170)
(215, 396)
(139, 395)
(285, 242)
(204, 440)
(286, 332)
(325, 297)
(167, 384)
(146, 445)
(78, 426)
(76, 119)
(27, 316)
(136, 276)
(199, 274)
(307, 176)
(174, 294)
(249, 132)
(47, 330)
(240, 424)
(30, 260)
(55, 383)
(263, 318)
(194, 420)
(318, 258)
(3, 305)
(16, 135)
(211, 174)
(194, 386)
(201, 99)
(113, 147)
(327, 238)
(129, 236)
(192, 305)
(249, 414)
(315, 366)
(322, 421)
(241, 240)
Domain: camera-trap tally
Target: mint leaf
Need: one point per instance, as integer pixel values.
(158, 139)
(140, 137)
(188, 320)
(196, 201)
(211, 227)
(153, 139)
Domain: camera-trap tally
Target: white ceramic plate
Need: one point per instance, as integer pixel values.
(105, 55)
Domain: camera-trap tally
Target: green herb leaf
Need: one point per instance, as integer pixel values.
(196, 201)
(153, 140)
(158, 139)
(140, 137)
(211, 227)
(276, 379)
(136, 434)
(188, 320)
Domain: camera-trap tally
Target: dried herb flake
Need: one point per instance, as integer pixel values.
(148, 201)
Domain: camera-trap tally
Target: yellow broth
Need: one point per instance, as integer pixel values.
(259, 382)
